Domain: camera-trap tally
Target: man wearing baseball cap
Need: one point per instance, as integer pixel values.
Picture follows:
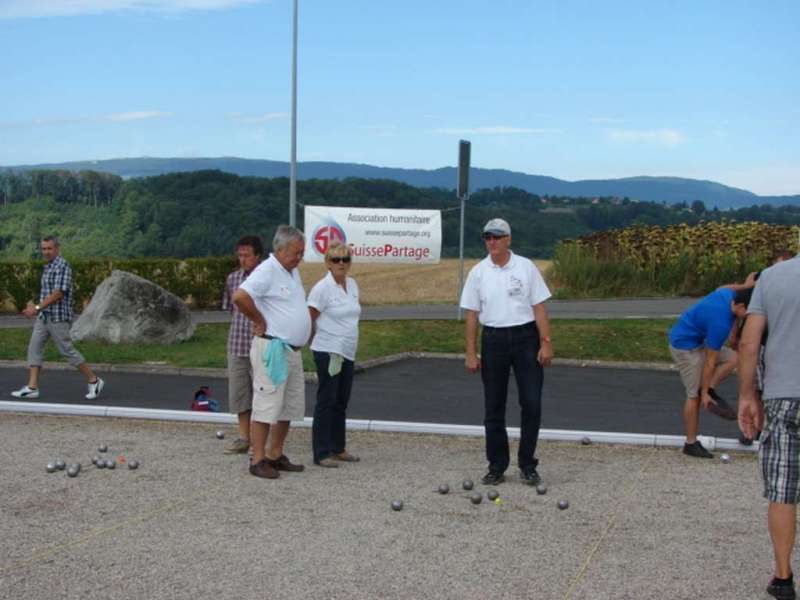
(505, 293)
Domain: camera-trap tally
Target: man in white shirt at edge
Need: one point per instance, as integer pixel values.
(506, 294)
(272, 297)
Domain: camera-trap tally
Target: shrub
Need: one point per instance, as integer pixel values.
(198, 281)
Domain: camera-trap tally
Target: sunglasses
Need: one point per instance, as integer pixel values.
(491, 237)
(340, 259)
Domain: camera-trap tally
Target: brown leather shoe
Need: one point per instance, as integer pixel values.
(345, 456)
(264, 469)
(283, 464)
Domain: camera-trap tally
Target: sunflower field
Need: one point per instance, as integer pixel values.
(676, 260)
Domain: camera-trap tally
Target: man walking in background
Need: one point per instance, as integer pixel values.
(273, 298)
(249, 250)
(53, 314)
(506, 294)
(775, 304)
(697, 345)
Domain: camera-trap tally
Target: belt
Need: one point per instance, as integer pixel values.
(523, 327)
(272, 337)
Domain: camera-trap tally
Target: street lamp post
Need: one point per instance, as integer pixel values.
(293, 161)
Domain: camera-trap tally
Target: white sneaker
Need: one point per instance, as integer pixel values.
(95, 389)
(25, 392)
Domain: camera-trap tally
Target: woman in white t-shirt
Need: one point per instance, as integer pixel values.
(335, 310)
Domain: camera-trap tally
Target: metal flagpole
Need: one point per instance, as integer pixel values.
(293, 161)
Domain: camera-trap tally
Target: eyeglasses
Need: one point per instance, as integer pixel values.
(491, 237)
(340, 259)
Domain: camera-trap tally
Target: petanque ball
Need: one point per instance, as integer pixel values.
(444, 488)
(102, 448)
(220, 435)
(586, 441)
(476, 498)
(563, 504)
(541, 489)
(492, 495)
(51, 468)
(726, 458)
(95, 460)
(111, 464)
(134, 464)
(72, 471)
(60, 465)
(467, 484)
(397, 505)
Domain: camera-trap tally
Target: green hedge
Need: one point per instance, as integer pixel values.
(199, 281)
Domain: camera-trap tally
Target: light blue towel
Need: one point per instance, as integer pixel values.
(275, 360)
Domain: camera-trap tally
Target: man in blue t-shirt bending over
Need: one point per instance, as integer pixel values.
(697, 344)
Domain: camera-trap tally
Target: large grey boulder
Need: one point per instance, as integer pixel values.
(127, 308)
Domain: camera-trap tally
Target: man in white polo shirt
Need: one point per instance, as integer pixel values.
(272, 297)
(506, 294)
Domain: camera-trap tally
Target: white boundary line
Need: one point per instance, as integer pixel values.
(565, 435)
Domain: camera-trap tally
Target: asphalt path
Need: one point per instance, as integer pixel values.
(636, 308)
(432, 391)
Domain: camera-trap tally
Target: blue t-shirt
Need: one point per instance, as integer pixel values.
(708, 323)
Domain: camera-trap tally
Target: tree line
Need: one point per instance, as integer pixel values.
(203, 213)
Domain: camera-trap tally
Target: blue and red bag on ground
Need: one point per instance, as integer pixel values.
(203, 400)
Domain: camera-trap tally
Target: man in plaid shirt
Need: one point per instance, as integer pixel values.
(53, 314)
(250, 251)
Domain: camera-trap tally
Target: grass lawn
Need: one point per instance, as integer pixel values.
(600, 339)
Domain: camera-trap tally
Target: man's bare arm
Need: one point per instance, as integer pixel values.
(247, 307)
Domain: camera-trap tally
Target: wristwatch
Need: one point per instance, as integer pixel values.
(546, 339)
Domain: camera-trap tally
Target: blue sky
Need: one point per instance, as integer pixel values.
(575, 90)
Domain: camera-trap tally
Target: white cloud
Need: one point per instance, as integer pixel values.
(255, 119)
(663, 137)
(135, 115)
(495, 130)
(14, 9)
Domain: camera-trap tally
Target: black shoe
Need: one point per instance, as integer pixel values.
(782, 591)
(696, 450)
(530, 476)
(493, 478)
(722, 409)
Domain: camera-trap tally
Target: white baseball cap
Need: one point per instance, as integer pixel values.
(497, 227)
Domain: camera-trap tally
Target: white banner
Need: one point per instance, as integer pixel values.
(383, 235)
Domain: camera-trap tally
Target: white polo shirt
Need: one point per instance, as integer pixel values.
(339, 310)
(504, 296)
(280, 298)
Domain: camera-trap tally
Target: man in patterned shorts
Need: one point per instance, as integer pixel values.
(775, 303)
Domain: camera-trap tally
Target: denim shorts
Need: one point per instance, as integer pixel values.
(779, 450)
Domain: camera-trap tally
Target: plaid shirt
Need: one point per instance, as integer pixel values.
(57, 275)
(240, 335)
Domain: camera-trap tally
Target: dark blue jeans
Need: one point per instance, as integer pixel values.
(501, 349)
(333, 394)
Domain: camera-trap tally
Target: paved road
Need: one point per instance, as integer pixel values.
(559, 309)
(434, 391)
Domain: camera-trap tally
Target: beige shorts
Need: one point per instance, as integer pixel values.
(271, 404)
(240, 384)
(690, 366)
